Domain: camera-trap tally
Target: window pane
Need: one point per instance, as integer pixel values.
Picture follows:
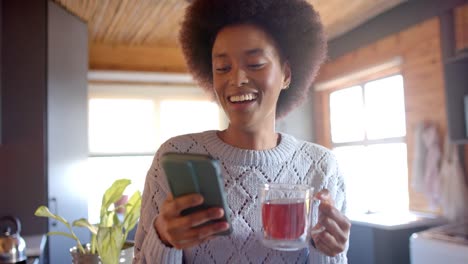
(121, 126)
(352, 162)
(385, 108)
(347, 115)
(388, 165)
(181, 117)
(376, 177)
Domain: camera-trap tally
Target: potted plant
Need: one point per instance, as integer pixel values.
(109, 235)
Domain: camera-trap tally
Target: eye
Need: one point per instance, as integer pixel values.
(256, 66)
(223, 69)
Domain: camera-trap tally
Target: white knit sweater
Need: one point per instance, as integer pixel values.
(292, 161)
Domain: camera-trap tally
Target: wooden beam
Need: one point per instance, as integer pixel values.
(391, 22)
(135, 58)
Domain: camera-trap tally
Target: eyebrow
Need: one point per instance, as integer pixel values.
(256, 51)
(251, 52)
(220, 55)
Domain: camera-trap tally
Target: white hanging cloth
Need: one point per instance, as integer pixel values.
(454, 190)
(426, 163)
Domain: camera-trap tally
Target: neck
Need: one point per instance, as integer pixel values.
(250, 139)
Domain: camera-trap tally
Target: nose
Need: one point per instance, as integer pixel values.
(238, 77)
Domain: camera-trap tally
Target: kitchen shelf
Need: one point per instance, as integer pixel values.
(455, 68)
(460, 56)
(456, 88)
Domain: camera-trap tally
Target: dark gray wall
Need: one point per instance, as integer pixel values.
(1, 130)
(24, 92)
(67, 122)
(44, 100)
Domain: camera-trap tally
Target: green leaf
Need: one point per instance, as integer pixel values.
(109, 219)
(113, 194)
(132, 212)
(93, 243)
(43, 211)
(115, 219)
(109, 242)
(82, 222)
(61, 234)
(136, 198)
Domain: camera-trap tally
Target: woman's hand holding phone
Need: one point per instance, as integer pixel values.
(184, 231)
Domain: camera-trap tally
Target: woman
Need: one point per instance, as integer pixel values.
(258, 57)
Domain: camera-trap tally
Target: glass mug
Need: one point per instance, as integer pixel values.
(286, 211)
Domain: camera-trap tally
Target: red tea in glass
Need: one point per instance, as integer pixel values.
(284, 219)
(285, 212)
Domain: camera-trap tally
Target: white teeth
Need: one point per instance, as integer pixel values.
(243, 97)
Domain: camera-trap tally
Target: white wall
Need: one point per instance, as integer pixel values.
(299, 122)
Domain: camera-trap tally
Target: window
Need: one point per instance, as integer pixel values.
(120, 126)
(127, 124)
(368, 132)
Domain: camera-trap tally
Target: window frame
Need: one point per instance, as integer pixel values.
(365, 141)
(323, 113)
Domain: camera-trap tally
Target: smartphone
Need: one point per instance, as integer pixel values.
(197, 173)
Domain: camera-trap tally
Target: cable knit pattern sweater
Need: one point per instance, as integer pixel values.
(292, 161)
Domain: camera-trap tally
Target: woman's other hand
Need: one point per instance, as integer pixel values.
(333, 239)
(183, 232)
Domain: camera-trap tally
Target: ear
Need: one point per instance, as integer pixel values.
(286, 75)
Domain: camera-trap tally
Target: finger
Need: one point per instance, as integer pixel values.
(325, 197)
(330, 211)
(198, 235)
(176, 206)
(322, 246)
(328, 245)
(195, 219)
(166, 202)
(170, 197)
(203, 232)
(341, 236)
(189, 243)
(317, 227)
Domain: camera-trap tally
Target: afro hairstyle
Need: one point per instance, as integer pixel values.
(293, 24)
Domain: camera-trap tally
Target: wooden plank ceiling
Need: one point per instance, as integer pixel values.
(142, 34)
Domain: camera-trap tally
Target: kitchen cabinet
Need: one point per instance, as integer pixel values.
(456, 80)
(456, 92)
(384, 239)
(44, 62)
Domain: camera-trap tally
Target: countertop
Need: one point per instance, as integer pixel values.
(396, 220)
(35, 245)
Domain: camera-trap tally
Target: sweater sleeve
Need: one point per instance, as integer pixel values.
(333, 181)
(148, 246)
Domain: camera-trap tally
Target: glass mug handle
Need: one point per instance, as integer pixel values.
(315, 229)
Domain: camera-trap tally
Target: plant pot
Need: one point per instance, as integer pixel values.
(126, 255)
(86, 258)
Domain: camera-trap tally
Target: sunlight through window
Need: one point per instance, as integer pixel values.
(181, 117)
(385, 108)
(368, 130)
(347, 115)
(120, 126)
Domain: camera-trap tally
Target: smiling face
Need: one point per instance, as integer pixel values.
(248, 75)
